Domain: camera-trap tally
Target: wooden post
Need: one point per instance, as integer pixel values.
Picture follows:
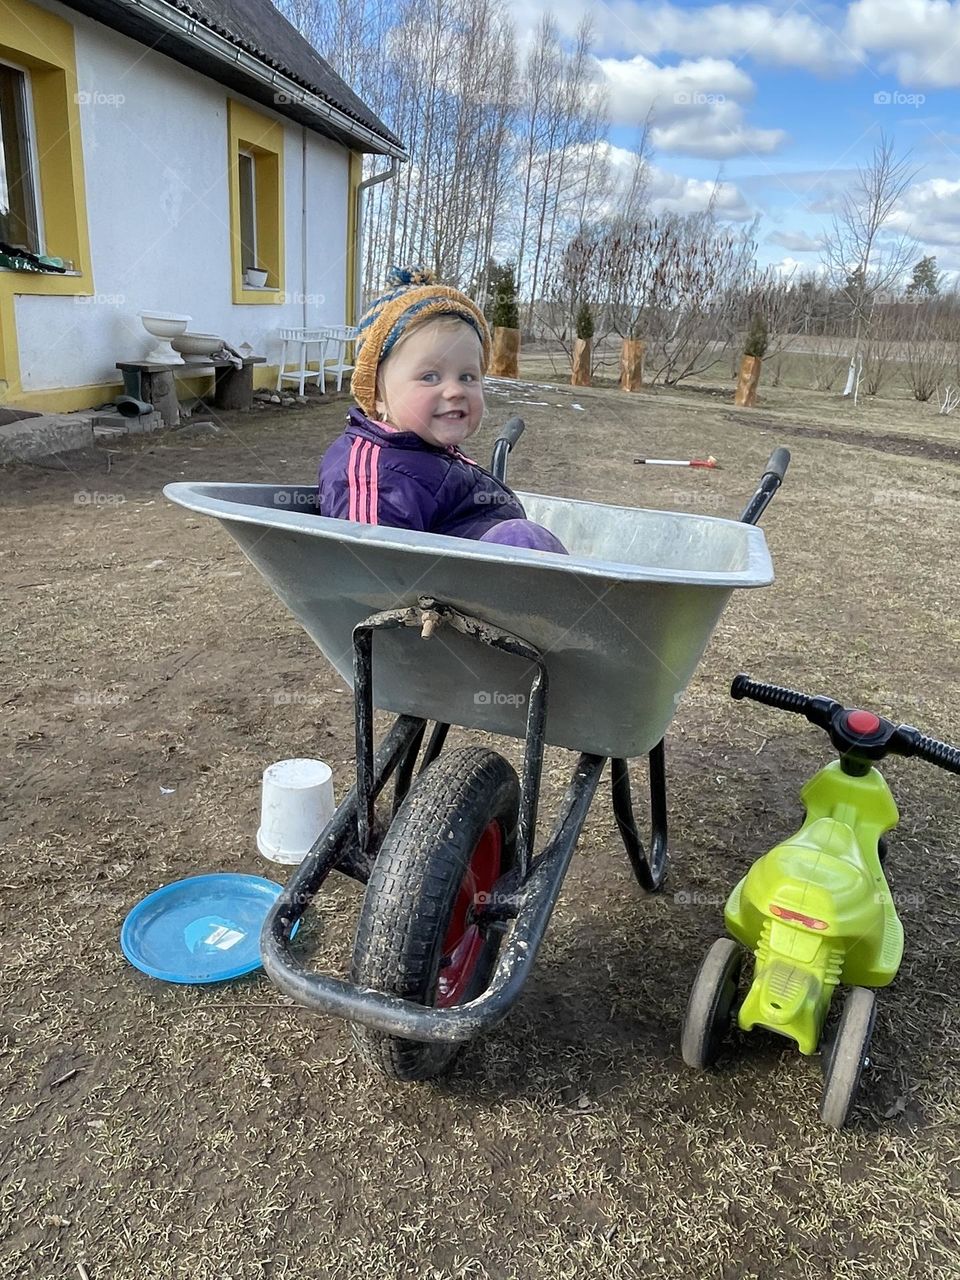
(504, 360)
(631, 365)
(580, 376)
(746, 393)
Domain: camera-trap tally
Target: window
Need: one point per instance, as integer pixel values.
(248, 212)
(19, 216)
(256, 201)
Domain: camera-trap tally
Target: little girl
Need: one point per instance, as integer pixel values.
(422, 351)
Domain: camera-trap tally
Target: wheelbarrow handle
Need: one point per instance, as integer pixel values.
(770, 482)
(777, 463)
(510, 433)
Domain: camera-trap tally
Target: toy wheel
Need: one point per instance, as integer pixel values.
(710, 1006)
(846, 1055)
(451, 840)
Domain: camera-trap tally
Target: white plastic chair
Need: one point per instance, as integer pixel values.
(301, 340)
(339, 338)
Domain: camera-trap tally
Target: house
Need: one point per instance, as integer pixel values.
(156, 149)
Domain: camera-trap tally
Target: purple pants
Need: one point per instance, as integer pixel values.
(524, 533)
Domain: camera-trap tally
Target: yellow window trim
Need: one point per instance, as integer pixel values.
(355, 175)
(44, 45)
(262, 138)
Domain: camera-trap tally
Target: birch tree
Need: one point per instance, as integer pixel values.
(861, 261)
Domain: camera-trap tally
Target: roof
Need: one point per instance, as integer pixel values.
(278, 55)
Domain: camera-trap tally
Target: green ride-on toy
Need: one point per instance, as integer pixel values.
(815, 911)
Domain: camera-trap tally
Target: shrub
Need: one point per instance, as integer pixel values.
(504, 312)
(756, 343)
(584, 321)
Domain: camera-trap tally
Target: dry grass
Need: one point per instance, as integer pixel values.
(225, 1133)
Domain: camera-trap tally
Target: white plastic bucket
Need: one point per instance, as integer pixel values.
(296, 804)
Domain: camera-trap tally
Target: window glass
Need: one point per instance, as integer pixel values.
(248, 214)
(18, 205)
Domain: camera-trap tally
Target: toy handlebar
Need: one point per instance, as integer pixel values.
(510, 433)
(852, 731)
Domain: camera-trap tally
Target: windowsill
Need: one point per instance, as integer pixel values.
(16, 271)
(247, 295)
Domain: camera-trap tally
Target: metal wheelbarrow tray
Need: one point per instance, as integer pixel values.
(590, 651)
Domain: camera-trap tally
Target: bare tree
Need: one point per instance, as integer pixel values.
(862, 262)
(927, 354)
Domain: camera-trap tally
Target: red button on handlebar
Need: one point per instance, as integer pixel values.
(862, 723)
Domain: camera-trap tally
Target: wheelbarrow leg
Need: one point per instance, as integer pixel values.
(650, 871)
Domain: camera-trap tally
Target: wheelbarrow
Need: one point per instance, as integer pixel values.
(589, 651)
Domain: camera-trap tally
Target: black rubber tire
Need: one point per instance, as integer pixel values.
(846, 1055)
(413, 889)
(711, 1002)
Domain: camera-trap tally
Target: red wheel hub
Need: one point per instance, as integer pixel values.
(464, 941)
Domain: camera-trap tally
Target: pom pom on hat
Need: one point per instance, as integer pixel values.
(412, 298)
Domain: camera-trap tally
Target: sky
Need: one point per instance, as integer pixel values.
(783, 101)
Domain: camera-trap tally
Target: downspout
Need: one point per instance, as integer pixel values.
(303, 225)
(372, 181)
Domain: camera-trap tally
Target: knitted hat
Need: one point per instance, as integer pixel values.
(412, 297)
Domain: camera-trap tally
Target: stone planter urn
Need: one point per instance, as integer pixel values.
(505, 356)
(746, 393)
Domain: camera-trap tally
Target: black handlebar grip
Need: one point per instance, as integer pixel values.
(939, 753)
(777, 463)
(774, 695)
(512, 431)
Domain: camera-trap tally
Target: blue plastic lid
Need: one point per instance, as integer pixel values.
(202, 929)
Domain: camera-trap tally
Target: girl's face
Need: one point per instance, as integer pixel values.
(431, 383)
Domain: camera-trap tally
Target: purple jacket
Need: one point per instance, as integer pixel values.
(380, 475)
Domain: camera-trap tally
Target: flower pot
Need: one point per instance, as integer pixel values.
(504, 359)
(631, 365)
(746, 393)
(254, 278)
(580, 375)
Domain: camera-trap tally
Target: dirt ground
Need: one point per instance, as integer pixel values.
(151, 1130)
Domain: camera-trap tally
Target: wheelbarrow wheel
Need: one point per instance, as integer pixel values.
(451, 840)
(845, 1056)
(711, 1002)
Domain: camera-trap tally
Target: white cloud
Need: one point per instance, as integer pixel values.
(785, 38)
(930, 212)
(920, 38)
(673, 193)
(696, 106)
(795, 241)
(718, 134)
(638, 85)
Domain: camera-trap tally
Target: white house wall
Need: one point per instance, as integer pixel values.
(155, 162)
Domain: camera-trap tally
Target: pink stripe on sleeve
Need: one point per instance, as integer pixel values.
(374, 512)
(353, 480)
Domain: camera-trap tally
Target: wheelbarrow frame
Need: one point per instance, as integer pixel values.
(526, 895)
